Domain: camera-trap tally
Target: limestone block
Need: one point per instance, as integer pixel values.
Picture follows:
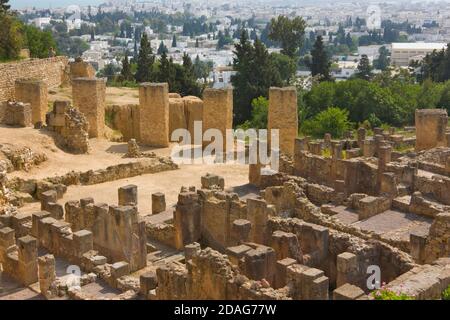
(35, 218)
(347, 268)
(18, 114)
(283, 116)
(347, 292)
(260, 263)
(120, 269)
(47, 197)
(34, 92)
(88, 96)
(241, 230)
(286, 245)
(191, 250)
(236, 253)
(148, 281)
(154, 114)
(187, 217)
(257, 214)
(193, 108)
(281, 271)
(218, 111)
(177, 118)
(158, 202)
(431, 127)
(83, 242)
(128, 195)
(212, 181)
(27, 255)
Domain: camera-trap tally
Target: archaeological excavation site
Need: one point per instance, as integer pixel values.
(94, 207)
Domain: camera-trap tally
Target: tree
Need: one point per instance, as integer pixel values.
(332, 120)
(145, 61)
(174, 41)
(255, 73)
(383, 60)
(288, 33)
(162, 48)
(166, 71)
(11, 38)
(125, 73)
(38, 42)
(197, 45)
(364, 68)
(320, 64)
(4, 6)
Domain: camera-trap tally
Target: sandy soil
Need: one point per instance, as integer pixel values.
(119, 96)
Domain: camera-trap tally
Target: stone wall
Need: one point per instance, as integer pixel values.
(50, 70)
(430, 128)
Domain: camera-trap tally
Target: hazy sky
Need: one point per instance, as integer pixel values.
(17, 4)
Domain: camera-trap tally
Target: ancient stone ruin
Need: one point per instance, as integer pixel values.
(135, 225)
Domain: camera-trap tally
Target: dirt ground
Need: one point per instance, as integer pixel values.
(105, 153)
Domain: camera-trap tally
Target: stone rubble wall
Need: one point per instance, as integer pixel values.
(50, 70)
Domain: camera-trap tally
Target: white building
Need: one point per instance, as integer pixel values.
(403, 53)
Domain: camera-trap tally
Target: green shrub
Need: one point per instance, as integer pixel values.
(386, 294)
(446, 294)
(258, 119)
(374, 121)
(332, 120)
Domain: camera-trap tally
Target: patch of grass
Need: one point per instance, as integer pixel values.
(403, 148)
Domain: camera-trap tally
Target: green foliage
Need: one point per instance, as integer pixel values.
(332, 120)
(288, 33)
(386, 294)
(260, 107)
(285, 66)
(320, 64)
(145, 61)
(446, 294)
(383, 60)
(38, 42)
(4, 6)
(436, 66)
(364, 68)
(11, 37)
(374, 121)
(255, 73)
(125, 73)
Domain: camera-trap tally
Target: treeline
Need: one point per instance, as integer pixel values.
(15, 35)
(182, 79)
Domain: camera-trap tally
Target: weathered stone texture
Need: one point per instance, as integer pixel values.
(35, 93)
(154, 114)
(430, 128)
(50, 70)
(283, 116)
(88, 96)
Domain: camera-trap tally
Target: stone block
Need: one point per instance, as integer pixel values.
(158, 202)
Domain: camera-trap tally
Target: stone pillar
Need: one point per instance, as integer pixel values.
(315, 148)
(34, 92)
(286, 245)
(257, 214)
(368, 148)
(47, 275)
(260, 264)
(154, 114)
(431, 127)
(148, 281)
(88, 96)
(191, 250)
(241, 231)
(82, 242)
(281, 271)
(283, 116)
(128, 195)
(158, 202)
(28, 268)
(47, 197)
(361, 137)
(187, 218)
(417, 250)
(218, 112)
(347, 268)
(7, 242)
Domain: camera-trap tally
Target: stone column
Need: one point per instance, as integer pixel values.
(47, 275)
(431, 125)
(28, 268)
(283, 116)
(218, 112)
(361, 133)
(286, 245)
(158, 202)
(88, 96)
(187, 218)
(34, 92)
(257, 214)
(347, 268)
(154, 114)
(128, 195)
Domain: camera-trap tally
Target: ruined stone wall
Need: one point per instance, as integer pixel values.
(35, 93)
(431, 126)
(283, 116)
(124, 118)
(117, 231)
(50, 70)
